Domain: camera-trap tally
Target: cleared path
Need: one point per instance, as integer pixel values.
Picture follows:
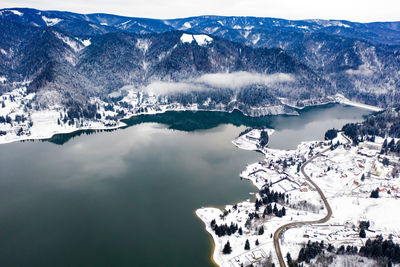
(283, 228)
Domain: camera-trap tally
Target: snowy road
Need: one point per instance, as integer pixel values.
(283, 228)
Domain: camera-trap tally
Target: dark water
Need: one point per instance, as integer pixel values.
(127, 197)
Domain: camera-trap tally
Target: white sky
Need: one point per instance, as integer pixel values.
(354, 10)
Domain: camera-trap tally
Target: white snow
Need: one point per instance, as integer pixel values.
(303, 27)
(86, 42)
(236, 27)
(51, 21)
(337, 172)
(256, 38)
(248, 28)
(123, 25)
(187, 25)
(329, 23)
(16, 12)
(186, 38)
(104, 23)
(200, 39)
(250, 140)
(4, 52)
(343, 100)
(73, 43)
(3, 79)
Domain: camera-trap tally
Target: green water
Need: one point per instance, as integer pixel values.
(127, 197)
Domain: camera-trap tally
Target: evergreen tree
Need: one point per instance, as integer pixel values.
(269, 209)
(289, 260)
(284, 164)
(261, 230)
(247, 245)
(375, 193)
(362, 233)
(257, 243)
(384, 145)
(331, 134)
(227, 248)
(275, 210)
(391, 144)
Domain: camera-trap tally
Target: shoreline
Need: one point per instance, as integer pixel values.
(211, 240)
(120, 123)
(320, 166)
(215, 252)
(207, 213)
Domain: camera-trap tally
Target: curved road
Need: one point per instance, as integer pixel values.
(283, 228)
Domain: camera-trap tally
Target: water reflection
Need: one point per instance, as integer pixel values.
(126, 197)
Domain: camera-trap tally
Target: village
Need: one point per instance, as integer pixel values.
(346, 174)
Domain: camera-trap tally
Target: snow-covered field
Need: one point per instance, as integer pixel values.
(346, 175)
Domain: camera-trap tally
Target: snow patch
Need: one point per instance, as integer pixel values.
(76, 46)
(16, 12)
(256, 38)
(200, 39)
(123, 25)
(86, 42)
(186, 25)
(3, 79)
(143, 44)
(51, 21)
(303, 27)
(329, 23)
(343, 100)
(3, 51)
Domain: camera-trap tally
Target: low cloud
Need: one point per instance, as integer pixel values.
(162, 88)
(233, 81)
(362, 70)
(242, 79)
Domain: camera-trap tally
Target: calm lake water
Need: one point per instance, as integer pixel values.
(127, 197)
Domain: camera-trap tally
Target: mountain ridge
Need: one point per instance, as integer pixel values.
(98, 66)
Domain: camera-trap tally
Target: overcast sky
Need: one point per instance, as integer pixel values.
(355, 10)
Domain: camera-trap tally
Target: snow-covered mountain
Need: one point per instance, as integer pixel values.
(85, 63)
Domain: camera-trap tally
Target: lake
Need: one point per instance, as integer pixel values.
(127, 197)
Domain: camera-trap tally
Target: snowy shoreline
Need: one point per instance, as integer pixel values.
(47, 129)
(346, 175)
